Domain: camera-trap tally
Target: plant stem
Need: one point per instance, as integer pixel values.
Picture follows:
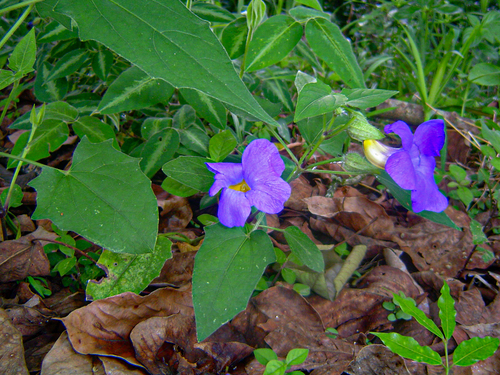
(36, 164)
(324, 162)
(447, 363)
(16, 25)
(75, 249)
(9, 99)
(17, 6)
(247, 43)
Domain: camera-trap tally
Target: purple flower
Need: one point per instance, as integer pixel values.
(412, 166)
(254, 182)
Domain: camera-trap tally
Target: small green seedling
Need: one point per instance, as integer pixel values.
(274, 366)
(331, 333)
(396, 312)
(466, 354)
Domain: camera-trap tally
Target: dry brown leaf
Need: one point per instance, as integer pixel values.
(114, 366)
(29, 320)
(11, 347)
(22, 258)
(377, 360)
(177, 271)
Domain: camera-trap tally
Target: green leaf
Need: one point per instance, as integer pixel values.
(221, 145)
(316, 99)
(278, 90)
(264, 355)
(104, 192)
(366, 98)
(408, 306)
(49, 91)
(46, 10)
(16, 197)
(458, 173)
(7, 78)
(157, 150)
(485, 74)
(311, 128)
(275, 367)
(310, 3)
(55, 32)
(234, 37)
(327, 41)
(190, 171)
(492, 135)
(53, 111)
(465, 195)
(272, 41)
(181, 50)
(303, 14)
(304, 249)
(95, 130)
(474, 350)
(195, 140)
(478, 236)
(208, 108)
(447, 311)
(23, 56)
(302, 79)
(408, 347)
(153, 125)
(176, 188)
(404, 198)
(68, 64)
(65, 265)
(134, 89)
(184, 117)
(212, 13)
(296, 356)
(128, 272)
(102, 62)
(227, 268)
(48, 137)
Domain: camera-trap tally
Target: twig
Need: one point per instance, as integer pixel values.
(77, 250)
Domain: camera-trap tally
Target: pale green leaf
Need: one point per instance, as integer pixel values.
(212, 13)
(104, 192)
(134, 89)
(478, 236)
(227, 268)
(296, 356)
(474, 350)
(304, 249)
(327, 41)
(129, 272)
(68, 64)
(408, 347)
(102, 62)
(310, 3)
(182, 50)
(264, 355)
(272, 41)
(234, 37)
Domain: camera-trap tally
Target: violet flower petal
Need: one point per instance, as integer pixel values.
(400, 167)
(226, 174)
(404, 132)
(429, 137)
(427, 195)
(260, 158)
(234, 208)
(269, 196)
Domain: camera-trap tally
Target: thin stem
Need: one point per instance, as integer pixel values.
(17, 6)
(247, 43)
(16, 25)
(75, 249)
(9, 100)
(36, 164)
(447, 363)
(324, 162)
(272, 228)
(260, 217)
(282, 142)
(330, 172)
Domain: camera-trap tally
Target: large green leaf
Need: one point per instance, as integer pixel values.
(317, 98)
(272, 41)
(134, 89)
(167, 41)
(404, 198)
(227, 268)
(327, 41)
(104, 197)
(95, 130)
(129, 272)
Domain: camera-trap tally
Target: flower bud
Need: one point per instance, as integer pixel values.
(359, 128)
(256, 11)
(378, 153)
(357, 164)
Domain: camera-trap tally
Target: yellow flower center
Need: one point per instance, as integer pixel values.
(242, 186)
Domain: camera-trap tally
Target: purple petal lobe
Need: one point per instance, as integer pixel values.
(234, 208)
(226, 174)
(429, 137)
(427, 195)
(261, 158)
(404, 132)
(400, 167)
(269, 196)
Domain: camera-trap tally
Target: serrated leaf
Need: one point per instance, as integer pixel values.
(366, 98)
(24, 54)
(304, 249)
(408, 306)
(264, 355)
(227, 268)
(134, 89)
(103, 192)
(315, 99)
(328, 42)
(408, 347)
(102, 62)
(208, 108)
(128, 272)
(474, 350)
(272, 41)
(190, 171)
(182, 50)
(157, 150)
(296, 356)
(68, 64)
(95, 130)
(404, 198)
(447, 312)
(221, 145)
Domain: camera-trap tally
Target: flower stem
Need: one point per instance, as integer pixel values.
(24, 160)
(16, 25)
(324, 162)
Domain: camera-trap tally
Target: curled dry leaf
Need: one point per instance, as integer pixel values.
(11, 348)
(29, 320)
(24, 257)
